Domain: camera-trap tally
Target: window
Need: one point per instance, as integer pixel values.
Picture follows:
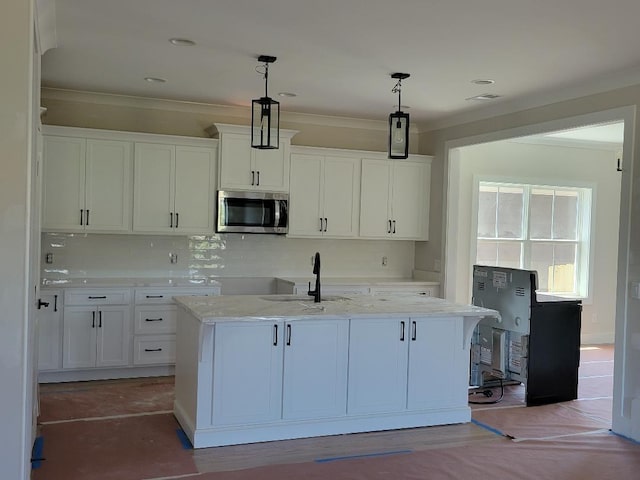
(542, 228)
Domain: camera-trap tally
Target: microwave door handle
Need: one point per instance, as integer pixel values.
(276, 213)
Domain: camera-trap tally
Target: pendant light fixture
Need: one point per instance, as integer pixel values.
(265, 113)
(399, 124)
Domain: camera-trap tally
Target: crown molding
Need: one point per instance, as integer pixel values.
(242, 113)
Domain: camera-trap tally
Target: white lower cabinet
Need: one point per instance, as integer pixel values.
(377, 365)
(434, 349)
(247, 373)
(96, 336)
(265, 371)
(49, 324)
(400, 364)
(315, 368)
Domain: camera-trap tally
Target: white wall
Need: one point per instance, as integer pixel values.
(551, 165)
(226, 255)
(16, 36)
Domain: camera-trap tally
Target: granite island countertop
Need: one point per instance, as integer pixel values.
(226, 308)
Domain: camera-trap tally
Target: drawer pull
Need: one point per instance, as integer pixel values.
(97, 297)
(153, 319)
(152, 349)
(154, 296)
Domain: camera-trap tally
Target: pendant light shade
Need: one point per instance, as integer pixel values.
(265, 114)
(399, 124)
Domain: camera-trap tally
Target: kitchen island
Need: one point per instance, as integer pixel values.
(255, 368)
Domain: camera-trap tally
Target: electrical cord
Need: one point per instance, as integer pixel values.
(488, 393)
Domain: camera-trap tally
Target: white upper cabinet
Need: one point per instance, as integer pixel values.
(324, 193)
(244, 168)
(87, 184)
(394, 201)
(173, 188)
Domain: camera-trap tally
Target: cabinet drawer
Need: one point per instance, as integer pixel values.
(165, 296)
(151, 319)
(102, 296)
(154, 349)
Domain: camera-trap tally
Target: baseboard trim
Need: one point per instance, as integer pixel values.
(104, 374)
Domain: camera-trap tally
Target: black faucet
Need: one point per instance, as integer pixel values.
(316, 271)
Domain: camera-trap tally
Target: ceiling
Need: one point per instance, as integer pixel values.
(337, 55)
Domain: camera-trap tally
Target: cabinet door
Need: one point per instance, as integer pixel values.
(374, 198)
(340, 196)
(408, 200)
(436, 346)
(378, 351)
(154, 188)
(63, 185)
(108, 185)
(247, 373)
(49, 321)
(315, 368)
(272, 169)
(193, 184)
(79, 337)
(114, 333)
(235, 162)
(305, 196)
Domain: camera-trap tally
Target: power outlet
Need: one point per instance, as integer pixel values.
(48, 258)
(173, 257)
(384, 261)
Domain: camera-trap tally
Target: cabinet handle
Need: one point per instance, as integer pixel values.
(288, 334)
(170, 219)
(97, 297)
(93, 319)
(258, 182)
(394, 226)
(177, 219)
(100, 317)
(402, 331)
(275, 334)
(55, 303)
(153, 319)
(389, 227)
(253, 177)
(152, 349)
(154, 296)
(87, 217)
(81, 216)
(321, 224)
(325, 224)
(415, 331)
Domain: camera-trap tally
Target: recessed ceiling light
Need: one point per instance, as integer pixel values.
(484, 96)
(287, 94)
(182, 42)
(155, 80)
(483, 81)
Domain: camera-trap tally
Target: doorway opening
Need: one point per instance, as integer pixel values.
(506, 188)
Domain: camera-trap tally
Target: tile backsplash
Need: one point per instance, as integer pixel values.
(74, 255)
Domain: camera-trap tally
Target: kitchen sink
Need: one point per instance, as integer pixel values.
(302, 298)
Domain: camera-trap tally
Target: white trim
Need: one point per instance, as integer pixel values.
(218, 128)
(98, 134)
(104, 374)
(242, 112)
(337, 152)
(597, 338)
(44, 12)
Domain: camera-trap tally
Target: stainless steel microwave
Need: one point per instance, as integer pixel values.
(252, 212)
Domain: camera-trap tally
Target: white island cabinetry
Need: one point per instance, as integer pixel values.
(254, 368)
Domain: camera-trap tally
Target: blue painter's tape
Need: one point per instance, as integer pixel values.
(184, 440)
(626, 438)
(365, 455)
(36, 453)
(487, 427)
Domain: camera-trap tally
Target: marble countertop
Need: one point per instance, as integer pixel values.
(367, 281)
(224, 308)
(130, 282)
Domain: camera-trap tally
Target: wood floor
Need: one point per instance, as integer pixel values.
(124, 430)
